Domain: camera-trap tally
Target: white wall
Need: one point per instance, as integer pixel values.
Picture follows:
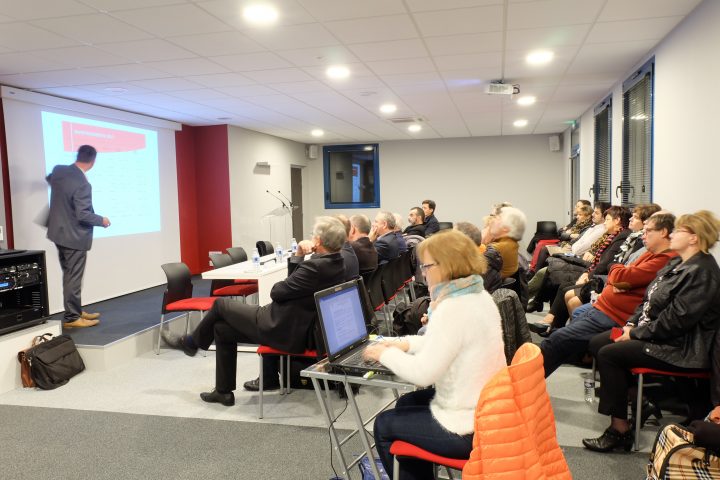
(465, 176)
(687, 69)
(249, 201)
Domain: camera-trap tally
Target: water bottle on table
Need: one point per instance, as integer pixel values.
(256, 259)
(278, 253)
(293, 246)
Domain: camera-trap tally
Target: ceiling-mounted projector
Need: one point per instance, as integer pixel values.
(501, 89)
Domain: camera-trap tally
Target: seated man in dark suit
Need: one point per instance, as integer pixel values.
(364, 250)
(287, 323)
(385, 241)
(416, 218)
(431, 223)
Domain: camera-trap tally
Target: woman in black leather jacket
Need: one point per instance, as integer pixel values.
(672, 330)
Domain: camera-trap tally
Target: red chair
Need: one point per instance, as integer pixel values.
(641, 372)
(284, 377)
(178, 296)
(538, 248)
(404, 449)
(230, 288)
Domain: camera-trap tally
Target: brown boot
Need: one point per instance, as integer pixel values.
(81, 323)
(89, 316)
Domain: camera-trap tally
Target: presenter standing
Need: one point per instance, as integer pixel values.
(70, 227)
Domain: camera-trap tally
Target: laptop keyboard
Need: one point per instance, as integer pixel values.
(357, 359)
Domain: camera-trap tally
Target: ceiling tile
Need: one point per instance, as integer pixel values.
(468, 43)
(411, 78)
(356, 70)
(247, 91)
(191, 66)
(308, 57)
(425, 5)
(291, 12)
(92, 29)
(221, 80)
(82, 57)
(186, 19)
(327, 10)
(112, 5)
(220, 43)
(368, 52)
(11, 63)
(32, 9)
(102, 89)
(476, 60)
(411, 65)
(394, 27)
(624, 10)
(134, 71)
(251, 61)
(56, 78)
(147, 50)
(537, 38)
(552, 13)
(166, 84)
(300, 87)
(280, 75)
(632, 30)
(470, 77)
(609, 57)
(293, 36)
(463, 20)
(199, 95)
(21, 37)
(589, 94)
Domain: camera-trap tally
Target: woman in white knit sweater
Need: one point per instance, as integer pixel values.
(461, 350)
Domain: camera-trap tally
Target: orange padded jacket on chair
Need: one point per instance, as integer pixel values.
(515, 436)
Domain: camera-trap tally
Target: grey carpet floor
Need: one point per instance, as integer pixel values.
(80, 444)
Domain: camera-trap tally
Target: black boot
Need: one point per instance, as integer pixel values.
(610, 440)
(647, 410)
(227, 399)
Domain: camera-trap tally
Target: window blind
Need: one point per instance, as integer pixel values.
(637, 138)
(603, 119)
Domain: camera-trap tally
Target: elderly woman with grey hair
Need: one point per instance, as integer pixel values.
(284, 324)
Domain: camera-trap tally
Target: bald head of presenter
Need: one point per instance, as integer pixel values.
(70, 227)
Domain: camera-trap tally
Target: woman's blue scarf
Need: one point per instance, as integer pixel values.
(454, 288)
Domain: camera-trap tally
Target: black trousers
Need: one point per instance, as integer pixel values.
(72, 264)
(228, 323)
(558, 307)
(614, 361)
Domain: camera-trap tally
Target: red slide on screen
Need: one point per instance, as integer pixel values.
(105, 140)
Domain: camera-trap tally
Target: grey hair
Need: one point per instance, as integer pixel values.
(398, 221)
(361, 223)
(388, 218)
(331, 233)
(471, 231)
(514, 219)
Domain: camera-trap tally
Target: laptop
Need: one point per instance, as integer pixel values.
(343, 321)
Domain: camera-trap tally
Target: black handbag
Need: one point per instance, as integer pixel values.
(53, 361)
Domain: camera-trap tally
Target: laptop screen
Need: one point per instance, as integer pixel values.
(342, 317)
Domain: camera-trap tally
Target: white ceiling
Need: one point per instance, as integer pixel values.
(198, 62)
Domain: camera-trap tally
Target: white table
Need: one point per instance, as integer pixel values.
(269, 274)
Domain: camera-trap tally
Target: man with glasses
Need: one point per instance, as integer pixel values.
(622, 294)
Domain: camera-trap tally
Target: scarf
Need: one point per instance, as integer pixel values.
(580, 226)
(454, 288)
(608, 240)
(627, 246)
(598, 243)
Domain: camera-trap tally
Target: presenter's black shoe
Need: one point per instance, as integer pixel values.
(539, 327)
(178, 342)
(610, 440)
(227, 399)
(254, 385)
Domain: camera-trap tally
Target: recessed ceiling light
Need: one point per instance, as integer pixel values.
(520, 123)
(526, 100)
(317, 133)
(338, 72)
(415, 128)
(116, 90)
(539, 57)
(388, 108)
(260, 14)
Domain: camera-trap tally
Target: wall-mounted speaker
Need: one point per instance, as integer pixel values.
(311, 151)
(554, 142)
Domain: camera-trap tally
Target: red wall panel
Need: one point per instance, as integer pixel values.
(6, 182)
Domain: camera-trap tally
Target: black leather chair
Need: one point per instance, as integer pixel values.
(264, 247)
(237, 254)
(445, 225)
(546, 227)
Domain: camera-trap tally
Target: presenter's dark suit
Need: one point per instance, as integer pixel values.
(387, 247)
(366, 254)
(70, 227)
(287, 323)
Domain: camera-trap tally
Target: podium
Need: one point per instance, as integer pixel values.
(279, 225)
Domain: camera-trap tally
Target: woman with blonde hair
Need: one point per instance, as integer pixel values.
(461, 350)
(672, 330)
